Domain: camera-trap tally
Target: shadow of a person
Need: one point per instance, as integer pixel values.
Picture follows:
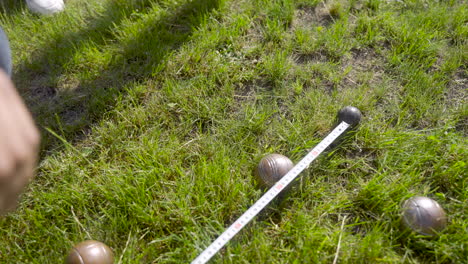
(10, 7)
(72, 111)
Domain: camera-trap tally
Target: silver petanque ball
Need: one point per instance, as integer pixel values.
(90, 252)
(272, 168)
(423, 215)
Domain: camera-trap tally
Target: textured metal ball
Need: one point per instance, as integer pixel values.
(423, 215)
(350, 115)
(272, 168)
(90, 252)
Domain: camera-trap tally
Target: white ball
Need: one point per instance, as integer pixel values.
(45, 7)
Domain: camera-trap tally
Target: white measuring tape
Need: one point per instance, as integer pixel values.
(227, 235)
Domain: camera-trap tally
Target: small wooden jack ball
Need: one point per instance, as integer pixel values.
(90, 252)
(423, 215)
(272, 168)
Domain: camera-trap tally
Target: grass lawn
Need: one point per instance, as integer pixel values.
(154, 114)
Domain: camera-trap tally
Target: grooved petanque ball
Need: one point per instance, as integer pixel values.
(423, 215)
(90, 252)
(272, 168)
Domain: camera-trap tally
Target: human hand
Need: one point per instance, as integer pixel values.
(19, 142)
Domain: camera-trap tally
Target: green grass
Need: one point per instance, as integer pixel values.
(155, 113)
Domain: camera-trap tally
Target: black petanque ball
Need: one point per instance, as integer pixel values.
(350, 115)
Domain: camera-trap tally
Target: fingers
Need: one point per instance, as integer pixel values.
(19, 142)
(12, 186)
(16, 111)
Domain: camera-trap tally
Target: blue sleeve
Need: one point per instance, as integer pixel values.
(5, 53)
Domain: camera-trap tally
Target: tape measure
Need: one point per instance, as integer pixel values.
(231, 231)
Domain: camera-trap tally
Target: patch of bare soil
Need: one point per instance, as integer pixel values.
(36, 89)
(43, 92)
(312, 16)
(456, 94)
(303, 58)
(244, 92)
(365, 66)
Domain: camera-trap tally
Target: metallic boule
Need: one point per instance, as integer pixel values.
(423, 215)
(350, 115)
(272, 168)
(90, 252)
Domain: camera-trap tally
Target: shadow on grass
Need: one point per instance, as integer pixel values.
(71, 112)
(9, 7)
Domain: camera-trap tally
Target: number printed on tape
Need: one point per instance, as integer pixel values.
(231, 231)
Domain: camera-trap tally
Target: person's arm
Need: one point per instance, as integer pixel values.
(19, 141)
